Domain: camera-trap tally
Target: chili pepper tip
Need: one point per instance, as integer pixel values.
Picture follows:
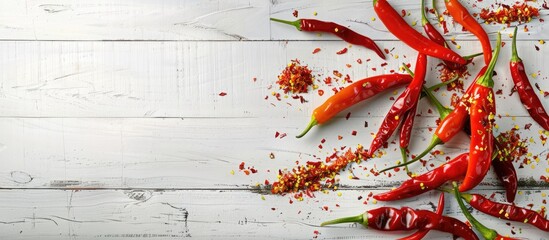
(311, 124)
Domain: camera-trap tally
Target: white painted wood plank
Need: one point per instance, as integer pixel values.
(134, 20)
(184, 79)
(202, 152)
(117, 214)
(203, 20)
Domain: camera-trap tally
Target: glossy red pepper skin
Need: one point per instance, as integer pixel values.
(346, 34)
(527, 94)
(392, 219)
(463, 17)
(507, 175)
(403, 104)
(507, 211)
(400, 29)
(407, 127)
(486, 232)
(356, 92)
(456, 120)
(481, 112)
(452, 170)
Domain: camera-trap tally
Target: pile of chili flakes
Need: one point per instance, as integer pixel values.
(506, 14)
(308, 177)
(295, 78)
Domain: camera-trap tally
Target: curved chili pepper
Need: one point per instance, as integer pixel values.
(506, 211)
(527, 95)
(482, 113)
(449, 126)
(463, 17)
(433, 34)
(398, 27)
(402, 104)
(393, 219)
(420, 234)
(406, 132)
(452, 170)
(506, 173)
(348, 35)
(352, 94)
(487, 233)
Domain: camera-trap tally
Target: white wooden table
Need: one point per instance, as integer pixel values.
(112, 127)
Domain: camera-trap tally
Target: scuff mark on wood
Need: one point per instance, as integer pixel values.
(21, 177)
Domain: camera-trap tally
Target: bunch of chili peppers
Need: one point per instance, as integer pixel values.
(475, 114)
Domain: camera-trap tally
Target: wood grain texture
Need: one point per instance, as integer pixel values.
(184, 79)
(159, 214)
(233, 20)
(200, 153)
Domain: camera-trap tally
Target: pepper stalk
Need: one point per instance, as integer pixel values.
(486, 232)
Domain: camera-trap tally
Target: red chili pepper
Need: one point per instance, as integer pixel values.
(352, 94)
(463, 17)
(404, 103)
(398, 27)
(348, 35)
(450, 125)
(452, 170)
(525, 91)
(406, 132)
(505, 170)
(392, 219)
(487, 233)
(420, 234)
(482, 114)
(506, 211)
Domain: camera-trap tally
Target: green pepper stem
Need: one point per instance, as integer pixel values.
(434, 142)
(354, 219)
(486, 232)
(311, 124)
(405, 159)
(424, 20)
(434, 4)
(514, 56)
(443, 111)
(296, 23)
(486, 80)
(472, 55)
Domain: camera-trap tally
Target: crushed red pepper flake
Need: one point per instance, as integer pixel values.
(506, 14)
(222, 94)
(512, 146)
(320, 92)
(342, 51)
(447, 74)
(316, 50)
(307, 178)
(295, 78)
(295, 13)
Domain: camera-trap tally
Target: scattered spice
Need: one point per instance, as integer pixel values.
(316, 50)
(307, 178)
(447, 74)
(506, 14)
(295, 78)
(222, 94)
(295, 13)
(342, 51)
